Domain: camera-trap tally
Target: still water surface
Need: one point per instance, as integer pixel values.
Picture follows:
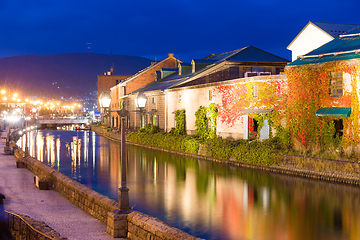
(205, 199)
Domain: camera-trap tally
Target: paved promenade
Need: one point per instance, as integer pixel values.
(49, 206)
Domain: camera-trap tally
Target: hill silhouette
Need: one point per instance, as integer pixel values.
(63, 75)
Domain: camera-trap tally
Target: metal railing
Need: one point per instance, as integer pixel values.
(25, 230)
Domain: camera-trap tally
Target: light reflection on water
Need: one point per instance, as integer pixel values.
(206, 199)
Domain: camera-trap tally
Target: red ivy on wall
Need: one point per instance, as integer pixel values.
(308, 92)
(239, 96)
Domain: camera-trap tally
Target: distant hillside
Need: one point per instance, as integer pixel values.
(71, 74)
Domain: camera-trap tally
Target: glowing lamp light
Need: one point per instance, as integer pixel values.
(141, 100)
(12, 118)
(105, 100)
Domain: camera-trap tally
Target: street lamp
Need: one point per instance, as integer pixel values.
(140, 102)
(104, 101)
(124, 205)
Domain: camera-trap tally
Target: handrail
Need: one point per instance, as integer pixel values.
(43, 234)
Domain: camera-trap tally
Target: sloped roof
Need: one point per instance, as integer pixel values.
(346, 47)
(253, 54)
(147, 69)
(246, 54)
(332, 29)
(164, 83)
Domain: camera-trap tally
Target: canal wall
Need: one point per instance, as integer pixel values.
(134, 225)
(288, 164)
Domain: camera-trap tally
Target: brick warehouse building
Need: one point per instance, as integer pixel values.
(135, 82)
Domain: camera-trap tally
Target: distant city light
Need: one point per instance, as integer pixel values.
(13, 118)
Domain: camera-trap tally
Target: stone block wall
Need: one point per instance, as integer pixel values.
(142, 226)
(87, 199)
(23, 227)
(137, 225)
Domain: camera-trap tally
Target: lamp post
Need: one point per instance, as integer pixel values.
(124, 205)
(140, 102)
(104, 101)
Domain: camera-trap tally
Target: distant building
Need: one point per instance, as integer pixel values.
(133, 83)
(316, 34)
(108, 80)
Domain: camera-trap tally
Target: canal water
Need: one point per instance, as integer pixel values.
(205, 199)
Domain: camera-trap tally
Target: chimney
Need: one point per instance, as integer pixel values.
(111, 71)
(170, 54)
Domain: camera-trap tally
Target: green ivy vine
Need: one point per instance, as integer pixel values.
(180, 118)
(205, 115)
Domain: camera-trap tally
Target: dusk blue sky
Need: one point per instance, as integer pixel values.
(188, 28)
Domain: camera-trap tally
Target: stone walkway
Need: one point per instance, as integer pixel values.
(49, 206)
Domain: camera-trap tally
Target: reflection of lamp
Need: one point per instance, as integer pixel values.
(123, 190)
(104, 101)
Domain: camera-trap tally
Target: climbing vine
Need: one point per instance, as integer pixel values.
(180, 119)
(267, 93)
(206, 116)
(308, 91)
(213, 114)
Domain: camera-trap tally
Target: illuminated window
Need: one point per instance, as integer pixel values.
(153, 100)
(155, 120)
(336, 84)
(143, 121)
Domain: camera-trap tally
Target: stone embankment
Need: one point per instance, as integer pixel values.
(339, 171)
(134, 225)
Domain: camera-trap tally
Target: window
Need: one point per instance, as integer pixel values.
(127, 120)
(153, 100)
(179, 97)
(255, 91)
(336, 84)
(279, 70)
(155, 120)
(143, 121)
(210, 95)
(234, 71)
